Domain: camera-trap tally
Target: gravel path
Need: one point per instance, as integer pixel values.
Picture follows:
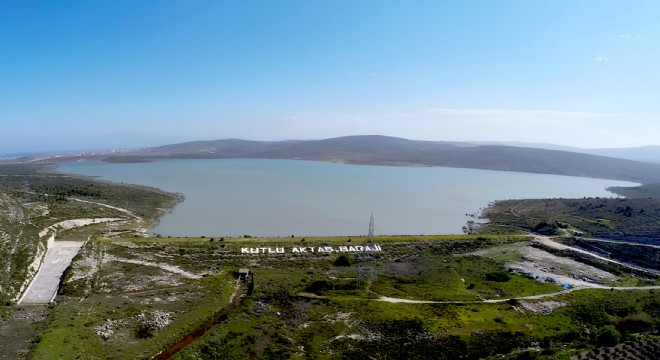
(533, 297)
(166, 267)
(547, 241)
(127, 212)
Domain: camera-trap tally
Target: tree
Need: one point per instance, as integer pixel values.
(607, 336)
(342, 260)
(499, 276)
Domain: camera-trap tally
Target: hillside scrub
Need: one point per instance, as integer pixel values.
(130, 297)
(634, 219)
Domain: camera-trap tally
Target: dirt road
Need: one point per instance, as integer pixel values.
(548, 242)
(533, 297)
(218, 317)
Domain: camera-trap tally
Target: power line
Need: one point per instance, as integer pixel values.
(370, 239)
(371, 229)
(363, 271)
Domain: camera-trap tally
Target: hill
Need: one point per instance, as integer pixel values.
(642, 153)
(382, 150)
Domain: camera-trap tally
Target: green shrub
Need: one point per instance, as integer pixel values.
(342, 260)
(319, 285)
(528, 355)
(499, 276)
(635, 323)
(607, 336)
(144, 331)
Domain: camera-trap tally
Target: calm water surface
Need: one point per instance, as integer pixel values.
(232, 197)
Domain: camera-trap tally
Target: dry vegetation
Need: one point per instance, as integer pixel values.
(635, 219)
(132, 297)
(31, 201)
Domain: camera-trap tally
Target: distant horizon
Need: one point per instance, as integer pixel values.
(10, 154)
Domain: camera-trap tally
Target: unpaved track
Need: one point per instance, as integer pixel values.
(127, 212)
(75, 223)
(619, 242)
(547, 241)
(166, 267)
(532, 297)
(235, 301)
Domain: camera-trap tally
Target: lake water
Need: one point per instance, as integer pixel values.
(232, 197)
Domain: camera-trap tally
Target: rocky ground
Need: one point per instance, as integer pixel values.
(536, 263)
(21, 331)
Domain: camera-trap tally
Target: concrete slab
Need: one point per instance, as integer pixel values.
(43, 288)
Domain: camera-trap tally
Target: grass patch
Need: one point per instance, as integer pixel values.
(121, 316)
(339, 319)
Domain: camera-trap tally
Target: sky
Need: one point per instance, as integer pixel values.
(77, 75)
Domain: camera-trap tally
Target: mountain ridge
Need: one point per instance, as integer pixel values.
(393, 151)
(648, 153)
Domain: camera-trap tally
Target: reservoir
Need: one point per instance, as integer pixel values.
(259, 197)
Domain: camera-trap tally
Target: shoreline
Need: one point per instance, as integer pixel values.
(127, 157)
(346, 225)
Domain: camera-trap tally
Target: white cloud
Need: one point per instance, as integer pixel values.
(602, 59)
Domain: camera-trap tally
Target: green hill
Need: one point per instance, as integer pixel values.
(382, 150)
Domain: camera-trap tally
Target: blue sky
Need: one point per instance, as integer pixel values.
(116, 74)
